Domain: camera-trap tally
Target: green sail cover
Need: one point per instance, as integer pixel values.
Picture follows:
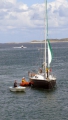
(49, 53)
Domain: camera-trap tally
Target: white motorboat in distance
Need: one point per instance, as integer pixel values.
(17, 89)
(23, 46)
(20, 47)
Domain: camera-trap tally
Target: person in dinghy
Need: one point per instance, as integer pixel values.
(15, 83)
(24, 82)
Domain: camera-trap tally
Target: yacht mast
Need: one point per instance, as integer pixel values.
(45, 22)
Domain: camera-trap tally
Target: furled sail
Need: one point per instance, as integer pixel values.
(49, 53)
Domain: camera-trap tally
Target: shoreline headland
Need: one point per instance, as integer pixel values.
(51, 40)
(39, 41)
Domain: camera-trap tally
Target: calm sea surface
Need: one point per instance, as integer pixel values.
(33, 104)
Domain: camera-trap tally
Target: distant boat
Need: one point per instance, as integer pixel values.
(17, 89)
(23, 46)
(20, 47)
(43, 78)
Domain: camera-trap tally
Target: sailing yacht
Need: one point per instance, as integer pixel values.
(44, 79)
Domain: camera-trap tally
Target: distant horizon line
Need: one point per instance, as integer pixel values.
(38, 41)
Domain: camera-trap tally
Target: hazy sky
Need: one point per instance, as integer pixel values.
(23, 20)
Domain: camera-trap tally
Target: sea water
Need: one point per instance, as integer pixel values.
(33, 104)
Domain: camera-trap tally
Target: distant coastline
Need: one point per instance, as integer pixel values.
(51, 40)
(40, 41)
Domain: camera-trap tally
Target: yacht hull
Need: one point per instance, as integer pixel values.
(47, 84)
